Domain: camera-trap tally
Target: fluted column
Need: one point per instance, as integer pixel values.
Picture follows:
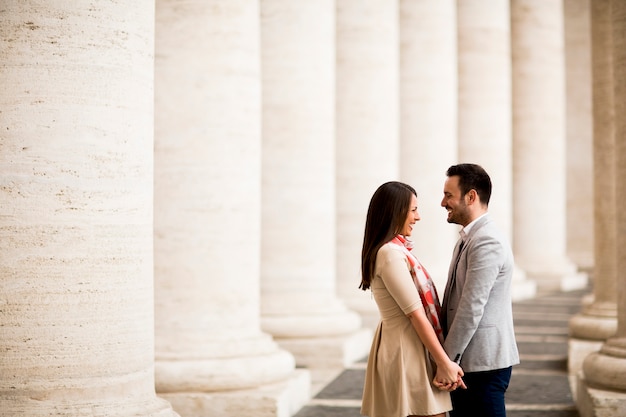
(484, 109)
(579, 132)
(539, 170)
(211, 356)
(76, 264)
(299, 302)
(428, 124)
(598, 319)
(367, 137)
(603, 390)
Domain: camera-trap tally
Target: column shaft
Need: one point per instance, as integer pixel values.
(579, 132)
(485, 131)
(367, 137)
(539, 240)
(299, 304)
(597, 321)
(602, 391)
(485, 96)
(428, 122)
(76, 262)
(211, 354)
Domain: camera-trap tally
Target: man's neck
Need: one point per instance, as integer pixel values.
(476, 217)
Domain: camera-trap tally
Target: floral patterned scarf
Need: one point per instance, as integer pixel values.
(424, 284)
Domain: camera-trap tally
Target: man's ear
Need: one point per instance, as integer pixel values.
(472, 196)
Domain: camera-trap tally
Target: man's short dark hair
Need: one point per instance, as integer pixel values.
(472, 176)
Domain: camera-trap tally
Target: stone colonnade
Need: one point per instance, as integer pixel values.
(207, 212)
(597, 354)
(428, 122)
(485, 130)
(366, 130)
(539, 143)
(76, 210)
(220, 251)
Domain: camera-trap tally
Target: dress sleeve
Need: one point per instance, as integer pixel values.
(394, 272)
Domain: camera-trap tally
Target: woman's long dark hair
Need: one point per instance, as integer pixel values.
(386, 216)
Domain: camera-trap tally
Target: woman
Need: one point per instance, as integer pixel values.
(400, 378)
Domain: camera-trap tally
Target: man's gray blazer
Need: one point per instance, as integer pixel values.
(477, 305)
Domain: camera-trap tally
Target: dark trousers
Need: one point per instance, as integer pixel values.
(484, 395)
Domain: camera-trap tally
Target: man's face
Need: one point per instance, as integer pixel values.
(454, 202)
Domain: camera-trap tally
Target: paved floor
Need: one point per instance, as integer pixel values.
(539, 385)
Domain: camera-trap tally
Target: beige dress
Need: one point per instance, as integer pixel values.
(398, 380)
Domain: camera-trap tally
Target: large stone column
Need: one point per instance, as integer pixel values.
(602, 391)
(428, 124)
(211, 356)
(367, 140)
(597, 321)
(579, 133)
(484, 130)
(539, 151)
(299, 302)
(76, 264)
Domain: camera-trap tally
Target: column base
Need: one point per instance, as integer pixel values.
(79, 407)
(366, 307)
(281, 399)
(606, 369)
(561, 282)
(573, 282)
(578, 349)
(553, 273)
(329, 352)
(593, 327)
(523, 290)
(593, 402)
(587, 334)
(311, 321)
(223, 374)
(362, 303)
(521, 287)
(370, 319)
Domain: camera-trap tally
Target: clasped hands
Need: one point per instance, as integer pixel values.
(449, 379)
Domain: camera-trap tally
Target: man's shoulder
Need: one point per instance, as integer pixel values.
(486, 227)
(488, 234)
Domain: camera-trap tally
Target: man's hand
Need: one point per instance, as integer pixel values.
(459, 383)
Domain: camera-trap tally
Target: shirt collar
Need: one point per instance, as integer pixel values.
(465, 231)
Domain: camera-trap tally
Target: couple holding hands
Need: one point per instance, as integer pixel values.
(427, 359)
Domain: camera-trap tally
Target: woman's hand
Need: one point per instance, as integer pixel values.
(450, 387)
(449, 377)
(449, 373)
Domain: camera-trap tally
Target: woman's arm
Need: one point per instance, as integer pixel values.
(394, 271)
(449, 373)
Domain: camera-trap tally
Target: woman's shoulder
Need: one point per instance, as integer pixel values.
(390, 251)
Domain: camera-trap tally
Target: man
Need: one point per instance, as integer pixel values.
(477, 316)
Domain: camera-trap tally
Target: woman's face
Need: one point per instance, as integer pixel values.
(411, 217)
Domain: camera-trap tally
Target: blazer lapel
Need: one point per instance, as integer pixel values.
(456, 255)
